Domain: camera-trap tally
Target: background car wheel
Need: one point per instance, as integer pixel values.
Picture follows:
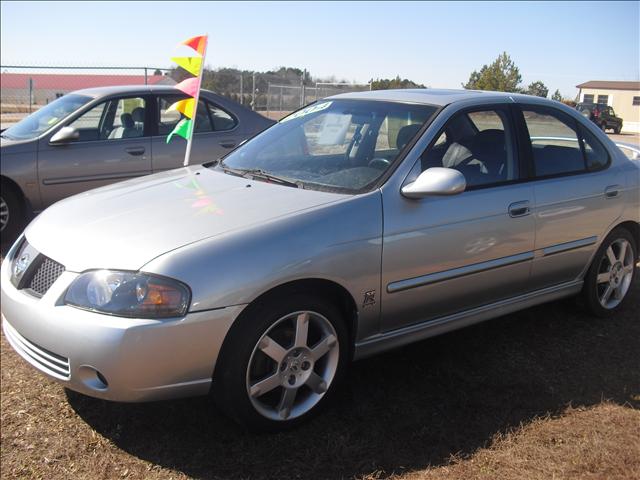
(611, 273)
(11, 214)
(281, 362)
(603, 126)
(617, 130)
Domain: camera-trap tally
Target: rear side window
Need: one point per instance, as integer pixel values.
(554, 142)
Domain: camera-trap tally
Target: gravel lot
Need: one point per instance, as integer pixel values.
(545, 393)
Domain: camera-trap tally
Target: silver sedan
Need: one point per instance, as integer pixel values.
(357, 224)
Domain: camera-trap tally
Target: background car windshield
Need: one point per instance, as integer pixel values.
(345, 145)
(45, 118)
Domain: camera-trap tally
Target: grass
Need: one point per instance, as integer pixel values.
(545, 393)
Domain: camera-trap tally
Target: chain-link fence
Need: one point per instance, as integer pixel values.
(24, 89)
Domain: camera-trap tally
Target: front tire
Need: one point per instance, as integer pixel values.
(282, 362)
(611, 274)
(11, 214)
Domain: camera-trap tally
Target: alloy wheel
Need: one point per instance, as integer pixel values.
(4, 214)
(615, 273)
(292, 365)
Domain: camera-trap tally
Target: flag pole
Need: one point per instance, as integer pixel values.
(187, 153)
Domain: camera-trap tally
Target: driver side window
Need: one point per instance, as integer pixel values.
(112, 120)
(479, 144)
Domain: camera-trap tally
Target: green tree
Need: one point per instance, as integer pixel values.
(157, 72)
(538, 89)
(557, 96)
(386, 83)
(502, 75)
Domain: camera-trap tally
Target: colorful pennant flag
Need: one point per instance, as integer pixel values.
(191, 87)
(188, 86)
(190, 64)
(183, 129)
(185, 107)
(197, 43)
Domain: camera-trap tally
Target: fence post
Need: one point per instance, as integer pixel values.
(253, 93)
(145, 75)
(30, 94)
(241, 91)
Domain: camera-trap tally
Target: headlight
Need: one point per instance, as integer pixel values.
(129, 294)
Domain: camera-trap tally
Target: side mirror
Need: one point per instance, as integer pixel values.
(436, 181)
(65, 135)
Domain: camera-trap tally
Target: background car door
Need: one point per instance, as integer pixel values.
(446, 254)
(216, 132)
(113, 145)
(577, 195)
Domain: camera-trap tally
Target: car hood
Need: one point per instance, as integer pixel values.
(10, 145)
(125, 225)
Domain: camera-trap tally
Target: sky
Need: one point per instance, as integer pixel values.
(437, 44)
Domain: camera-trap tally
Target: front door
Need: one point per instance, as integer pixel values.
(113, 145)
(447, 254)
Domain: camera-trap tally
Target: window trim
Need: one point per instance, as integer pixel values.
(103, 100)
(156, 114)
(516, 142)
(567, 119)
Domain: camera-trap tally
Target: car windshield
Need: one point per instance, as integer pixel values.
(45, 118)
(336, 145)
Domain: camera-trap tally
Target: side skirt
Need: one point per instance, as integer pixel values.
(413, 333)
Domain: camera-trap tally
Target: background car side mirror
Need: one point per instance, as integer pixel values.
(436, 181)
(65, 135)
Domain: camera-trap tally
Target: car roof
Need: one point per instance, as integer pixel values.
(430, 96)
(126, 89)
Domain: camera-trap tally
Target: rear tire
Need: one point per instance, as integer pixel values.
(281, 362)
(603, 126)
(617, 130)
(611, 274)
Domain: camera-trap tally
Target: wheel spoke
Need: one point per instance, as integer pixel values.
(302, 329)
(627, 269)
(265, 385)
(604, 277)
(611, 256)
(323, 347)
(316, 383)
(272, 348)
(286, 402)
(617, 293)
(607, 293)
(623, 252)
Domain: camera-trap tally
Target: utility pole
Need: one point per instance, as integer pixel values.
(302, 92)
(253, 93)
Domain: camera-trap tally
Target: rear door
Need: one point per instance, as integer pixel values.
(114, 145)
(577, 195)
(216, 132)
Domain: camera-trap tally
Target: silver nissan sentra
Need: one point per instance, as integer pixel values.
(357, 224)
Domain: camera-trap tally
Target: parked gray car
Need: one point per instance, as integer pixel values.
(358, 224)
(94, 137)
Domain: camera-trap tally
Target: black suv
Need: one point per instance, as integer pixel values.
(602, 115)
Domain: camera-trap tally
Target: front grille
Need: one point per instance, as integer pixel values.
(46, 273)
(41, 358)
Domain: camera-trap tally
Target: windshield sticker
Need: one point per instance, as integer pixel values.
(307, 111)
(334, 129)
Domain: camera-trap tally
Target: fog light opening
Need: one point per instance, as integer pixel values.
(92, 378)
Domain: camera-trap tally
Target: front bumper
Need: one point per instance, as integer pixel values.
(137, 359)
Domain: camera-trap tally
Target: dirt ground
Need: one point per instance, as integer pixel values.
(544, 393)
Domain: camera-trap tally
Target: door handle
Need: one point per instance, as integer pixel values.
(135, 151)
(227, 144)
(519, 209)
(612, 191)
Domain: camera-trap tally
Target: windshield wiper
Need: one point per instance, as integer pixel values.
(258, 173)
